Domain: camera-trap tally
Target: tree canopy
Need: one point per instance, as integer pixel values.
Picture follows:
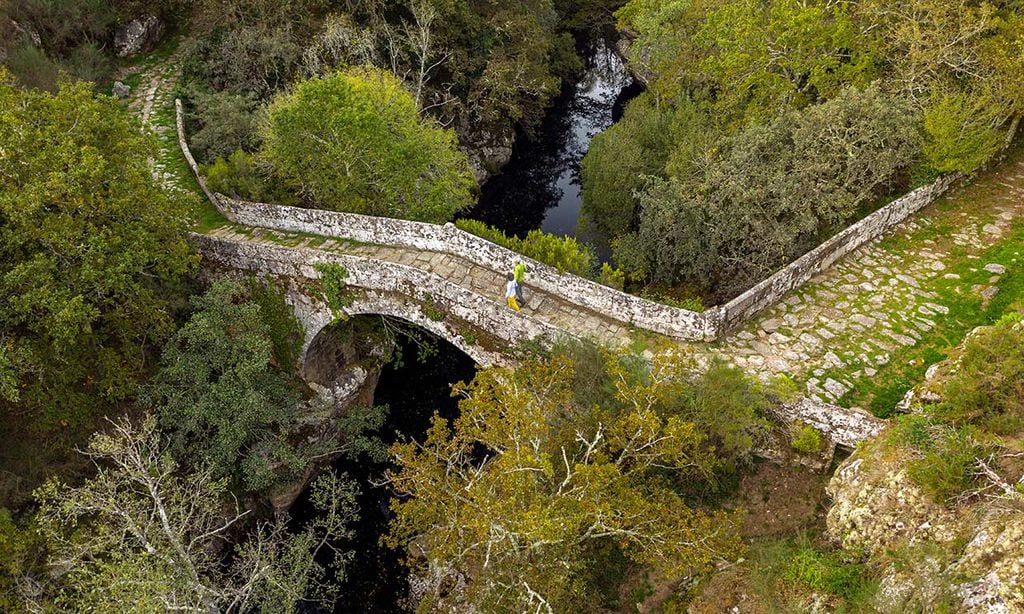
(144, 536)
(91, 249)
(354, 141)
(549, 466)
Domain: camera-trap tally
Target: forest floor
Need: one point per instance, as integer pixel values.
(865, 331)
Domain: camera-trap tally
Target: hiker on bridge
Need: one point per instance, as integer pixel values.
(519, 274)
(510, 292)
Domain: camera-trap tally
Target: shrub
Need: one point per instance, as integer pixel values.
(334, 279)
(563, 253)
(960, 132)
(943, 458)
(227, 123)
(807, 440)
(827, 572)
(243, 176)
(612, 277)
(987, 388)
(354, 141)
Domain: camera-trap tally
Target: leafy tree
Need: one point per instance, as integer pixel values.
(618, 159)
(220, 396)
(145, 537)
(354, 141)
(770, 191)
(91, 250)
(960, 131)
(512, 502)
(766, 56)
(227, 122)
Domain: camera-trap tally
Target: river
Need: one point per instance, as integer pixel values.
(540, 186)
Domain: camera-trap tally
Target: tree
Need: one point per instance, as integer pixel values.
(354, 141)
(766, 56)
(141, 536)
(219, 397)
(92, 251)
(770, 191)
(513, 501)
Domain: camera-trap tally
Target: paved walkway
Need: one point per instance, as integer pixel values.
(926, 281)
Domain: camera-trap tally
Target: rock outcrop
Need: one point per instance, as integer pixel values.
(966, 557)
(138, 35)
(487, 153)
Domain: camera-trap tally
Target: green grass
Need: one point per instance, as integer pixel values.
(907, 365)
(784, 572)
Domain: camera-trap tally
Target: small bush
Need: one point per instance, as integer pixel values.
(944, 457)
(987, 389)
(612, 277)
(235, 176)
(827, 572)
(334, 279)
(563, 253)
(807, 440)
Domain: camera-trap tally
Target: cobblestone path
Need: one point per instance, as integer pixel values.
(909, 295)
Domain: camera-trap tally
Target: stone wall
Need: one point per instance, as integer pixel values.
(678, 323)
(806, 267)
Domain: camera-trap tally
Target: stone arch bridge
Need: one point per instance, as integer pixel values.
(451, 283)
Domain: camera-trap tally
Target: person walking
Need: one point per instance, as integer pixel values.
(510, 292)
(519, 274)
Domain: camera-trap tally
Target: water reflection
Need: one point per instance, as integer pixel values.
(540, 186)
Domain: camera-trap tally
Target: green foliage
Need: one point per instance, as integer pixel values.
(689, 303)
(827, 572)
(88, 276)
(242, 175)
(770, 191)
(219, 395)
(612, 277)
(638, 145)
(333, 279)
(564, 253)
(119, 558)
(943, 458)
(227, 122)
(763, 57)
(432, 311)
(286, 332)
(354, 141)
(522, 528)
(987, 388)
(32, 68)
(20, 551)
(961, 133)
(806, 439)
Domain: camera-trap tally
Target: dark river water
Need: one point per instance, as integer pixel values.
(540, 186)
(375, 580)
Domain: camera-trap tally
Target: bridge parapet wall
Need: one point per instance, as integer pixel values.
(806, 267)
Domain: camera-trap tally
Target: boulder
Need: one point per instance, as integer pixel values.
(876, 506)
(120, 90)
(138, 35)
(488, 153)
